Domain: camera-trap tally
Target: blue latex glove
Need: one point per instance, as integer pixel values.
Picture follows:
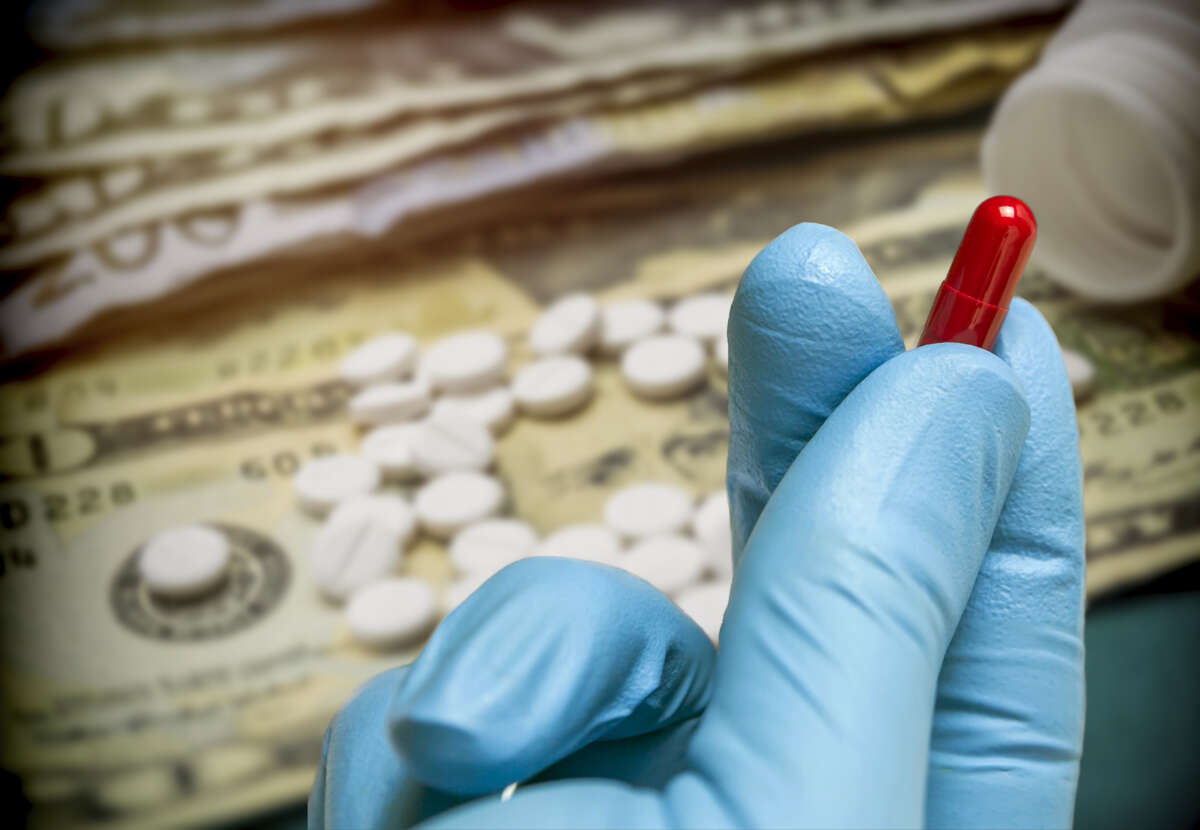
(903, 643)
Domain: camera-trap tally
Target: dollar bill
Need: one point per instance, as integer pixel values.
(184, 100)
(120, 710)
(149, 261)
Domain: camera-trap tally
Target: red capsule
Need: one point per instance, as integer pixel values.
(973, 299)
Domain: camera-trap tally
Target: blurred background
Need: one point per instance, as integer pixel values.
(208, 205)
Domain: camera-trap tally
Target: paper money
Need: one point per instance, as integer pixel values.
(149, 261)
(72, 24)
(152, 104)
(124, 712)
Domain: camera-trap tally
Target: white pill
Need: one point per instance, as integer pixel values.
(706, 604)
(593, 542)
(663, 366)
(387, 403)
(623, 323)
(361, 542)
(390, 356)
(452, 501)
(553, 386)
(322, 483)
(721, 353)
(184, 561)
(703, 316)
(570, 324)
(456, 592)
(485, 547)
(466, 362)
(494, 408)
(670, 562)
(445, 443)
(391, 612)
(391, 448)
(710, 525)
(1080, 372)
(648, 510)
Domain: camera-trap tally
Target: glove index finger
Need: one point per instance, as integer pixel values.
(808, 322)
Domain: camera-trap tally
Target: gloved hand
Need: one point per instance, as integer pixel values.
(903, 643)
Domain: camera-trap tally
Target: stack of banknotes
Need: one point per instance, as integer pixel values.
(219, 200)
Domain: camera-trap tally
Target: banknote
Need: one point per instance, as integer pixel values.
(166, 102)
(120, 710)
(148, 261)
(74, 24)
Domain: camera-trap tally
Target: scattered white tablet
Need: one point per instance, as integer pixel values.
(710, 525)
(705, 604)
(390, 447)
(1080, 372)
(469, 361)
(593, 542)
(362, 541)
(452, 501)
(388, 357)
(625, 322)
(391, 612)
(570, 324)
(321, 483)
(553, 386)
(703, 316)
(670, 562)
(663, 366)
(648, 510)
(495, 408)
(445, 443)
(485, 547)
(389, 403)
(184, 561)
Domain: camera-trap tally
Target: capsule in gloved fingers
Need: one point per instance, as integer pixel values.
(973, 299)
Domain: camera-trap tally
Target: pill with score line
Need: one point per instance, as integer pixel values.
(553, 386)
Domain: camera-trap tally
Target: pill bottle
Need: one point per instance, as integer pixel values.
(1102, 140)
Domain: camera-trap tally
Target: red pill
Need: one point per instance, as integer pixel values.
(973, 299)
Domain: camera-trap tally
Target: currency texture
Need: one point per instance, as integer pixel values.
(129, 712)
(170, 227)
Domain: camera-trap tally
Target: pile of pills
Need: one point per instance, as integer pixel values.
(433, 418)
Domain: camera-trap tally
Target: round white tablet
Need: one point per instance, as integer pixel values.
(494, 408)
(670, 562)
(648, 510)
(703, 316)
(390, 447)
(184, 561)
(466, 362)
(486, 547)
(362, 541)
(592, 542)
(663, 366)
(390, 356)
(705, 604)
(570, 324)
(1080, 372)
(323, 482)
(391, 612)
(444, 443)
(454, 500)
(721, 353)
(553, 386)
(710, 524)
(387, 403)
(625, 322)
